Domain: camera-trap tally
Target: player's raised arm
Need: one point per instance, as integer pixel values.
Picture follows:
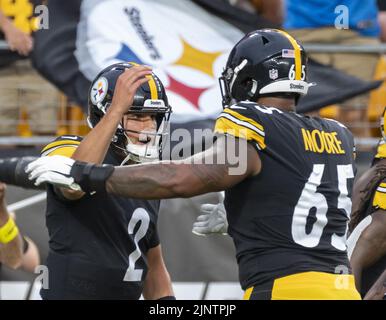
(95, 145)
(212, 170)
(193, 176)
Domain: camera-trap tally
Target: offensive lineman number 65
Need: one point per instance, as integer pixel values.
(310, 198)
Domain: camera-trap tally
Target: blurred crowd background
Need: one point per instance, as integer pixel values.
(51, 50)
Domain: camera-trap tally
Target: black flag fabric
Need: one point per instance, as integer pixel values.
(187, 43)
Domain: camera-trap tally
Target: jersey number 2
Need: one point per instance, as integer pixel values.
(310, 198)
(139, 215)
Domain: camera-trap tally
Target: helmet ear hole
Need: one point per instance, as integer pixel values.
(265, 40)
(244, 89)
(250, 87)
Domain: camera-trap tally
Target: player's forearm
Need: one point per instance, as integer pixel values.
(370, 247)
(3, 20)
(202, 173)
(11, 252)
(31, 257)
(94, 146)
(169, 180)
(378, 289)
(12, 171)
(157, 283)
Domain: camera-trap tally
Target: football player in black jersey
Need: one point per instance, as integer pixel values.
(367, 241)
(287, 198)
(107, 246)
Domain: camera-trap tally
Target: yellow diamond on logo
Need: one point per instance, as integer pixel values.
(197, 59)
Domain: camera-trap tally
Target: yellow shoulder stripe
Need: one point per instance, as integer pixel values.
(383, 185)
(243, 118)
(381, 151)
(65, 151)
(379, 200)
(60, 143)
(226, 126)
(62, 148)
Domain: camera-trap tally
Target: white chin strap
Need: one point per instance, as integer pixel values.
(148, 152)
(140, 153)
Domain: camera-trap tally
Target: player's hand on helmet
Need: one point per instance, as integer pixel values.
(55, 170)
(125, 88)
(212, 220)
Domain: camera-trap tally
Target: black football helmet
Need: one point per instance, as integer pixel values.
(150, 98)
(265, 62)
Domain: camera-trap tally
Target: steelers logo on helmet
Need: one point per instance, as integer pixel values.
(149, 99)
(99, 90)
(264, 62)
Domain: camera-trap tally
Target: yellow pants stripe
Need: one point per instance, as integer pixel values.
(247, 293)
(313, 286)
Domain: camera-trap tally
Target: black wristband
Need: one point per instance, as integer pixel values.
(12, 171)
(91, 177)
(167, 298)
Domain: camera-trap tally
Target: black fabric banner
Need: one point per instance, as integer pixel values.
(54, 56)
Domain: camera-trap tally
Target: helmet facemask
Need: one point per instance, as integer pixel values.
(150, 148)
(227, 80)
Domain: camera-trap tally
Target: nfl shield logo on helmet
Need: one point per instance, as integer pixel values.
(273, 74)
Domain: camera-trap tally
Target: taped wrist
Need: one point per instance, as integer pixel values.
(91, 177)
(12, 171)
(8, 232)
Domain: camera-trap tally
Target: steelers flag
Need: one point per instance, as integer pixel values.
(186, 41)
(186, 45)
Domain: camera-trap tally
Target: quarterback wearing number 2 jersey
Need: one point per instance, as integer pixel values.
(288, 210)
(106, 246)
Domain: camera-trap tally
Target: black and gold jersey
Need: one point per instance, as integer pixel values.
(292, 217)
(98, 244)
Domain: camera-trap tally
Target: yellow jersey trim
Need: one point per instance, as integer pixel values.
(379, 200)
